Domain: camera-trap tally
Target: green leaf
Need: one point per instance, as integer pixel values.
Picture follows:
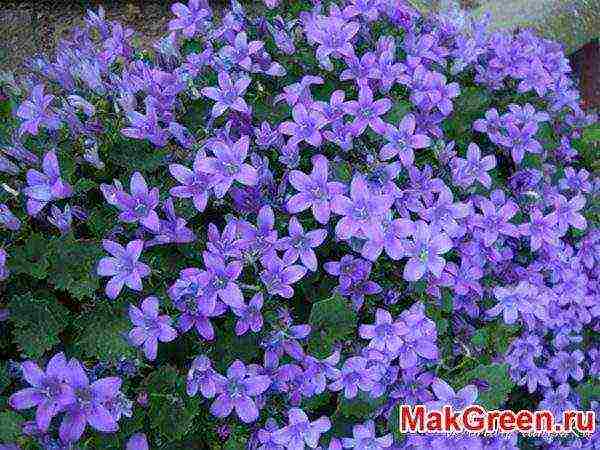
(72, 267)
(361, 407)
(592, 134)
(100, 333)
(32, 258)
(4, 377)
(170, 409)
(228, 346)
(332, 320)
(100, 221)
(38, 319)
(479, 338)
(588, 391)
(10, 426)
(83, 185)
(500, 384)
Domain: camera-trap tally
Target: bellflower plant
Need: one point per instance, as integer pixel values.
(341, 207)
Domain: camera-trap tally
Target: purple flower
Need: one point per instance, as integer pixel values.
(557, 401)
(305, 127)
(448, 396)
(45, 187)
(430, 90)
(385, 334)
(194, 184)
(4, 272)
(225, 243)
(403, 140)
(354, 376)
(61, 219)
(349, 267)
(334, 110)
(285, 340)
(300, 431)
(174, 230)
(50, 391)
(567, 365)
(511, 301)
(241, 51)
(300, 244)
(361, 212)
(279, 275)
(229, 94)
(575, 181)
(495, 221)
(249, 316)
(299, 92)
(149, 327)
(474, 168)
(566, 212)
(202, 376)
(367, 112)
(319, 371)
(445, 212)
(37, 112)
(138, 207)
(259, 241)
(220, 279)
(394, 232)
(357, 289)
(359, 69)
(364, 438)
(146, 126)
(237, 390)
(8, 219)
(333, 34)
(228, 165)
(137, 442)
(197, 302)
(541, 229)
(89, 407)
(190, 19)
(123, 267)
(315, 191)
(521, 140)
(266, 436)
(425, 250)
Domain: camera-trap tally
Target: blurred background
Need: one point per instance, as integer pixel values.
(31, 27)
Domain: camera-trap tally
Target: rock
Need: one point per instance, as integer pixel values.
(571, 22)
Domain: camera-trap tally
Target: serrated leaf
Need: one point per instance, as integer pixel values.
(228, 347)
(38, 319)
(10, 426)
(72, 267)
(332, 320)
(100, 221)
(170, 409)
(100, 333)
(499, 384)
(4, 377)
(588, 391)
(83, 185)
(361, 407)
(32, 258)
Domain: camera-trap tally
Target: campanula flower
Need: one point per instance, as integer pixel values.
(47, 186)
(315, 191)
(150, 327)
(123, 267)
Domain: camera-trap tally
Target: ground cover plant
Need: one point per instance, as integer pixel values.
(288, 219)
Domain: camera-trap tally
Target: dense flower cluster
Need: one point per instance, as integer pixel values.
(327, 149)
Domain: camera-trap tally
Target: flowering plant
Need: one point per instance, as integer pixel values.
(274, 229)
